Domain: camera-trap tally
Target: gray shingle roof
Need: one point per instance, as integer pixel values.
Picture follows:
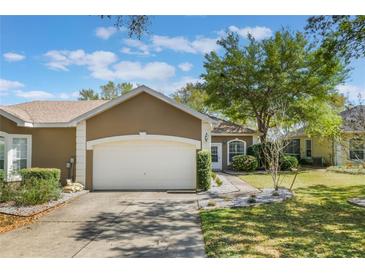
(227, 127)
(51, 111)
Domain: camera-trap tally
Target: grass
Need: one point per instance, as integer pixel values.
(317, 222)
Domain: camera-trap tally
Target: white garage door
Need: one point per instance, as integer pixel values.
(144, 165)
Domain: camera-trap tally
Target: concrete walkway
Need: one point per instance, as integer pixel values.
(113, 224)
(242, 186)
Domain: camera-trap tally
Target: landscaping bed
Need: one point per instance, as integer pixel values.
(26, 211)
(317, 222)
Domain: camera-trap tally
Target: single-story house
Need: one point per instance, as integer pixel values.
(348, 149)
(140, 140)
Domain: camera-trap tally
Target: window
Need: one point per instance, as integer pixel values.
(19, 159)
(2, 152)
(357, 149)
(293, 147)
(308, 148)
(235, 147)
(214, 153)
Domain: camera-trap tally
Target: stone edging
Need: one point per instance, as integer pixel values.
(27, 211)
(357, 201)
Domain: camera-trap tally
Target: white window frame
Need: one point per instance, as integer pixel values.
(8, 154)
(235, 140)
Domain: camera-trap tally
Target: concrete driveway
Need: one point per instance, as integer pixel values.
(113, 224)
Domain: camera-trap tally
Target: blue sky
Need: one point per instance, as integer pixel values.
(53, 57)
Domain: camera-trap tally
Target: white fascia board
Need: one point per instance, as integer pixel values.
(15, 119)
(234, 134)
(135, 92)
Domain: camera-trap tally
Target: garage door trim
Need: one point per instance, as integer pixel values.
(142, 136)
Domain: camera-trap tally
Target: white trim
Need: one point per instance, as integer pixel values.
(15, 119)
(233, 140)
(219, 152)
(8, 153)
(206, 133)
(134, 93)
(81, 153)
(90, 144)
(108, 105)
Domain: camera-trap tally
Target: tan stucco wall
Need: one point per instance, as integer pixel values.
(224, 139)
(51, 147)
(321, 147)
(143, 113)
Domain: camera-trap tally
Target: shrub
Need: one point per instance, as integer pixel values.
(257, 150)
(47, 174)
(218, 181)
(244, 163)
(6, 192)
(306, 161)
(37, 191)
(2, 176)
(204, 169)
(287, 162)
(214, 175)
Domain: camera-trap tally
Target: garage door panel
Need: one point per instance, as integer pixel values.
(144, 165)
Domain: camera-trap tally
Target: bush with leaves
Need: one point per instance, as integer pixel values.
(2, 176)
(48, 174)
(257, 150)
(288, 162)
(204, 169)
(244, 163)
(37, 191)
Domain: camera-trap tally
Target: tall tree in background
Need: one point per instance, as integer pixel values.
(259, 79)
(88, 94)
(342, 34)
(137, 25)
(108, 91)
(193, 95)
(111, 90)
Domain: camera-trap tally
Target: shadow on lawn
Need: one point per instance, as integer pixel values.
(147, 229)
(318, 222)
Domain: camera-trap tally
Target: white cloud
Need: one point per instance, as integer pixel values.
(158, 43)
(96, 62)
(127, 70)
(182, 44)
(352, 92)
(185, 66)
(257, 32)
(34, 94)
(8, 85)
(13, 57)
(103, 65)
(105, 33)
(143, 49)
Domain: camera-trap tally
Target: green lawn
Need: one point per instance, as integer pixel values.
(317, 222)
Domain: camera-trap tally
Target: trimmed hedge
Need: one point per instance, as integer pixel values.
(287, 162)
(244, 163)
(204, 169)
(48, 174)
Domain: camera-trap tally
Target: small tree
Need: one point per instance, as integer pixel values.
(88, 94)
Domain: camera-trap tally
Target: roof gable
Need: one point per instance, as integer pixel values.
(135, 92)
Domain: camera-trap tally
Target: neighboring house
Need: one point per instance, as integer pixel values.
(140, 140)
(349, 149)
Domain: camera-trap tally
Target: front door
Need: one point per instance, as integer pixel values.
(216, 152)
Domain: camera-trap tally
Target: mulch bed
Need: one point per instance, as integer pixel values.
(28, 211)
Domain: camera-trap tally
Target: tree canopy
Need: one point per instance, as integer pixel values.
(136, 25)
(108, 91)
(259, 79)
(342, 34)
(193, 95)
